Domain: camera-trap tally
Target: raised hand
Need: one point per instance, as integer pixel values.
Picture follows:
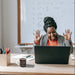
(67, 34)
(37, 36)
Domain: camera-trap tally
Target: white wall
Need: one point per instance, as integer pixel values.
(0, 26)
(9, 24)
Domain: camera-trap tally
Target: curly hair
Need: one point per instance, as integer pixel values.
(49, 22)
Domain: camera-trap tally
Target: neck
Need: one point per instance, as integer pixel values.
(53, 39)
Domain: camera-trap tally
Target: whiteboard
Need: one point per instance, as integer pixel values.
(34, 11)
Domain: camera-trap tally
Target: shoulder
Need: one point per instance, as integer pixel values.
(44, 39)
(44, 36)
(60, 37)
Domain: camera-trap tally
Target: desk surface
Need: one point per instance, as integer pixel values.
(37, 69)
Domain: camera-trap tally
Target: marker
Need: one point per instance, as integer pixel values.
(6, 50)
(1, 51)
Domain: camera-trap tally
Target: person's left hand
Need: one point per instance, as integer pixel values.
(67, 34)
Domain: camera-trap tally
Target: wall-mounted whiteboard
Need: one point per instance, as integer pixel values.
(34, 11)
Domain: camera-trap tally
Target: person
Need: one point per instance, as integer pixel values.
(52, 38)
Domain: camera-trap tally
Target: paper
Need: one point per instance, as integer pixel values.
(31, 57)
(72, 56)
(28, 57)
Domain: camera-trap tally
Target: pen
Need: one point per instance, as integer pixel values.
(28, 56)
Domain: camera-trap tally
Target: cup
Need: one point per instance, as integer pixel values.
(22, 62)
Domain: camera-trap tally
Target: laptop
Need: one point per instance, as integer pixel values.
(51, 54)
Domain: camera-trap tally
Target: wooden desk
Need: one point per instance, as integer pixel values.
(37, 69)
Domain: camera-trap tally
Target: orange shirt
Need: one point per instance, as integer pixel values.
(49, 43)
(52, 43)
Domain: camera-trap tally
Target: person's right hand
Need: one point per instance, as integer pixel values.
(37, 36)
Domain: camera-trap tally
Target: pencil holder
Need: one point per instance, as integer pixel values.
(4, 59)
